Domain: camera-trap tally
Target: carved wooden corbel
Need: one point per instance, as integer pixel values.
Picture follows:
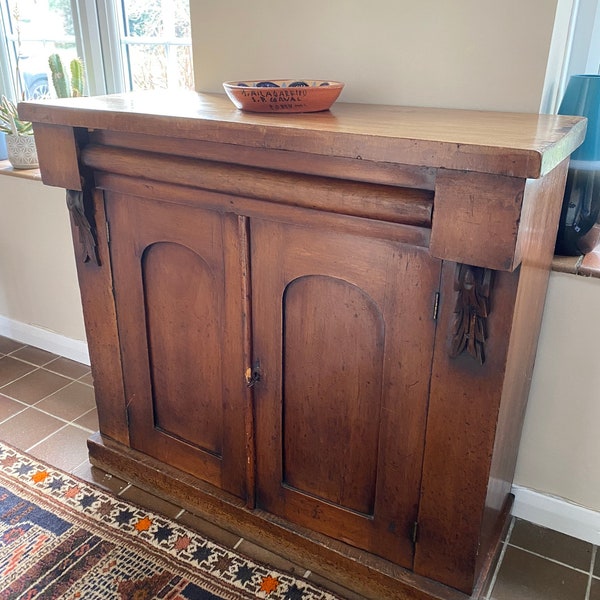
(80, 205)
(473, 286)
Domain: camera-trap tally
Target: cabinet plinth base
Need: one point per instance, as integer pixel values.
(347, 566)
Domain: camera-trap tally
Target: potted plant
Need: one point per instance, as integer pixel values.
(20, 142)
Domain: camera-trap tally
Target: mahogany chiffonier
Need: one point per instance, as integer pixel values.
(317, 330)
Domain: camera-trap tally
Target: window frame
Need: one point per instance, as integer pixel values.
(97, 25)
(584, 55)
(6, 81)
(100, 31)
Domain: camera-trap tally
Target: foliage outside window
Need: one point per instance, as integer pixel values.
(156, 44)
(128, 44)
(33, 30)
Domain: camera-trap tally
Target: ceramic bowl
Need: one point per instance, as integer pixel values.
(283, 95)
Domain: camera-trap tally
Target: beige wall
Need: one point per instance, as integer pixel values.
(480, 54)
(560, 446)
(38, 280)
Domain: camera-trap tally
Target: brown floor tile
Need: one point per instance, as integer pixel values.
(67, 367)
(89, 420)
(150, 501)
(65, 449)
(9, 407)
(70, 402)
(486, 588)
(35, 385)
(34, 355)
(524, 576)
(7, 345)
(88, 379)
(208, 529)
(595, 590)
(596, 570)
(100, 478)
(552, 544)
(28, 428)
(11, 369)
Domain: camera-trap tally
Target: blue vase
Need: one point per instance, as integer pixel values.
(579, 230)
(3, 150)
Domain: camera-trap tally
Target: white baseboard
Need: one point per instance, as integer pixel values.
(557, 514)
(44, 339)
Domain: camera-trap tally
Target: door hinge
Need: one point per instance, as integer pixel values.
(415, 532)
(252, 374)
(436, 305)
(107, 232)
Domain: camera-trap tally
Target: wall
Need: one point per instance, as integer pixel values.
(480, 54)
(560, 444)
(38, 279)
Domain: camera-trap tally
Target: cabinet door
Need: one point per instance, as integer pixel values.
(178, 281)
(343, 330)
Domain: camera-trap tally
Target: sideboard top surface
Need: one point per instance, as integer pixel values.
(513, 144)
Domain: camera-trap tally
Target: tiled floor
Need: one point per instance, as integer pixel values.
(47, 409)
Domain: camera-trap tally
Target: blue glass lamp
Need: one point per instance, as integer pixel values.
(579, 230)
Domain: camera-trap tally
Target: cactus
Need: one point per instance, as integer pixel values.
(77, 78)
(62, 86)
(59, 77)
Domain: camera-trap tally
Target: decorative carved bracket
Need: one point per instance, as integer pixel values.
(473, 286)
(80, 206)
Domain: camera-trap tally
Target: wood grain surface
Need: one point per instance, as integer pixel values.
(514, 144)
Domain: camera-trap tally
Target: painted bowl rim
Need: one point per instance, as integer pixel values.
(244, 84)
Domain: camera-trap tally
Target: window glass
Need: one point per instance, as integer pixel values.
(124, 44)
(156, 44)
(35, 29)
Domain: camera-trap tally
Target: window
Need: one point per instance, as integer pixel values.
(125, 44)
(31, 31)
(156, 44)
(585, 49)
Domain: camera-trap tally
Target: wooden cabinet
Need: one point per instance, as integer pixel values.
(316, 330)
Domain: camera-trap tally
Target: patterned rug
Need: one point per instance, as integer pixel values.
(60, 537)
